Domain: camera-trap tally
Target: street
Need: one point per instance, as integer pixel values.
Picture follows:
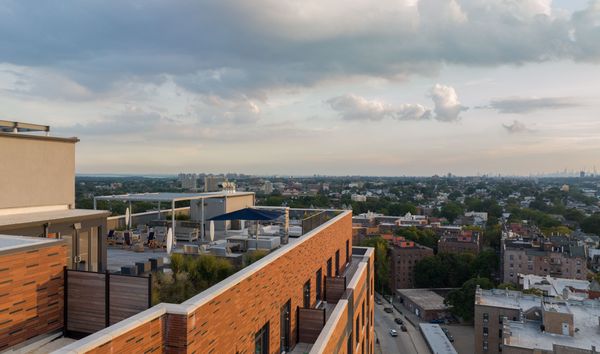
(406, 342)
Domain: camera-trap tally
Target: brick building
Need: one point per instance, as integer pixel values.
(514, 323)
(277, 303)
(404, 255)
(542, 257)
(465, 242)
(32, 288)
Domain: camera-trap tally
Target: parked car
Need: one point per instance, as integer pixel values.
(437, 321)
(388, 310)
(378, 302)
(393, 333)
(450, 338)
(446, 330)
(398, 321)
(403, 328)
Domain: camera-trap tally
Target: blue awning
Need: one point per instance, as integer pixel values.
(249, 214)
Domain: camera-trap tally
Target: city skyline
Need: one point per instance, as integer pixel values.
(399, 88)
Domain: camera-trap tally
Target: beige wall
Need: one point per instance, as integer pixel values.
(493, 325)
(36, 171)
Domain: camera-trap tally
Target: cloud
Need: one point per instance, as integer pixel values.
(447, 107)
(525, 105)
(230, 48)
(516, 127)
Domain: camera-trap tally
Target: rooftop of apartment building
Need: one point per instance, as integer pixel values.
(333, 310)
(555, 287)
(586, 316)
(529, 333)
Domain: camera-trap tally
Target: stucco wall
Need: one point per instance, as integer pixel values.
(36, 171)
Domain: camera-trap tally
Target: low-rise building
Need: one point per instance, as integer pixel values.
(424, 303)
(514, 323)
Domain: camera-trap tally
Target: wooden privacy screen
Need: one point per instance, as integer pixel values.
(310, 324)
(97, 300)
(334, 288)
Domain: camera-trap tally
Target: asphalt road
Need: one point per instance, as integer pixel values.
(404, 343)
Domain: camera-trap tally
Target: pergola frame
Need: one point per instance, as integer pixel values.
(171, 198)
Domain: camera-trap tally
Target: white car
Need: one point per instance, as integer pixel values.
(393, 333)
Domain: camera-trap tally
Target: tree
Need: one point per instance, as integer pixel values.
(591, 224)
(451, 211)
(463, 300)
(382, 262)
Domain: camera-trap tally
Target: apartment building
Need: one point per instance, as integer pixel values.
(465, 242)
(313, 295)
(37, 185)
(542, 257)
(189, 181)
(404, 255)
(514, 323)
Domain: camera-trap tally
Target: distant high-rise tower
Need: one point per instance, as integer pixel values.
(188, 180)
(582, 174)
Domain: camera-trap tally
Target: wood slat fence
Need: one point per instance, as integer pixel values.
(97, 300)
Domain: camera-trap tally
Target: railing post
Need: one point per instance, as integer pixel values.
(106, 299)
(150, 290)
(65, 300)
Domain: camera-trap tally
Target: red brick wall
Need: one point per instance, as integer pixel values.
(146, 338)
(31, 293)
(229, 322)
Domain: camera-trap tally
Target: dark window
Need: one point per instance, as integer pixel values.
(349, 344)
(486, 317)
(319, 280)
(363, 313)
(500, 333)
(261, 340)
(337, 263)
(306, 292)
(285, 328)
(347, 251)
(329, 267)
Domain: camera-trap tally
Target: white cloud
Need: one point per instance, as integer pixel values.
(447, 106)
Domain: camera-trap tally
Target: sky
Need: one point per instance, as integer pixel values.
(392, 87)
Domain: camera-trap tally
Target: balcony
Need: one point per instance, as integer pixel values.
(315, 325)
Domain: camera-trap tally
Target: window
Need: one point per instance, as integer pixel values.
(500, 318)
(306, 292)
(486, 317)
(319, 280)
(337, 263)
(261, 340)
(485, 331)
(500, 348)
(500, 333)
(329, 267)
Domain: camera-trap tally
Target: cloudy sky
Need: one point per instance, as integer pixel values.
(392, 87)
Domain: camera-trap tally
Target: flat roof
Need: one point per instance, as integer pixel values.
(436, 339)
(508, 299)
(9, 126)
(424, 298)
(169, 197)
(15, 243)
(25, 219)
(585, 320)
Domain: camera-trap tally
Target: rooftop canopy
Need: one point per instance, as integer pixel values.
(168, 197)
(14, 127)
(249, 214)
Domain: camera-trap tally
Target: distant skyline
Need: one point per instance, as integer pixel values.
(388, 88)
